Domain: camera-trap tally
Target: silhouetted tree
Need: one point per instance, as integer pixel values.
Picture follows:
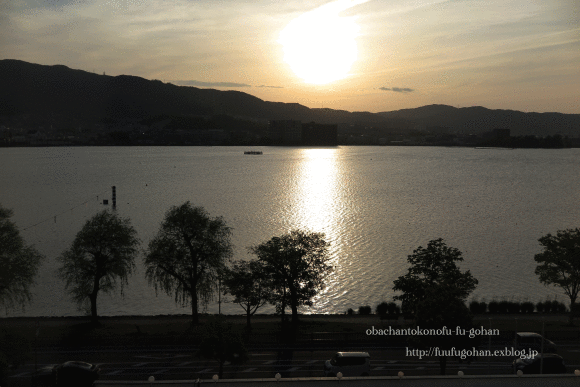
(559, 264)
(364, 310)
(387, 308)
(434, 292)
(245, 280)
(296, 264)
(439, 309)
(221, 343)
(18, 264)
(101, 253)
(187, 255)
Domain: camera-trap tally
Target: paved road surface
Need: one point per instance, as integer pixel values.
(182, 364)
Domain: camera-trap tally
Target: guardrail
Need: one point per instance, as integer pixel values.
(568, 380)
(309, 340)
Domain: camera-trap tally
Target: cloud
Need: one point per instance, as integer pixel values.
(397, 89)
(153, 39)
(209, 84)
(271, 87)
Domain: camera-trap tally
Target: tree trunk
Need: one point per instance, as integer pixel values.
(283, 306)
(294, 306)
(93, 298)
(283, 314)
(193, 280)
(248, 315)
(194, 316)
(573, 308)
(294, 313)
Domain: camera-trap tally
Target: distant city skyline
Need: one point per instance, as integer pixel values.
(355, 55)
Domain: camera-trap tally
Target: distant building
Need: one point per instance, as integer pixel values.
(497, 134)
(285, 132)
(208, 137)
(291, 132)
(439, 130)
(19, 139)
(36, 137)
(501, 133)
(319, 134)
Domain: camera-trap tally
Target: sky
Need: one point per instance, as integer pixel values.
(355, 55)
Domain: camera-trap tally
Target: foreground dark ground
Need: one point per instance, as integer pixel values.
(313, 330)
(132, 348)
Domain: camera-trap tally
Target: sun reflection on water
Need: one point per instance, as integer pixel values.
(318, 191)
(320, 205)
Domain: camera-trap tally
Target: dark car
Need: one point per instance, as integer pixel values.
(552, 364)
(348, 364)
(531, 340)
(71, 373)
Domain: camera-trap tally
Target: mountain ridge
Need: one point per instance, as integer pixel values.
(34, 89)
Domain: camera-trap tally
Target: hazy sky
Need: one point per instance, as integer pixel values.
(501, 54)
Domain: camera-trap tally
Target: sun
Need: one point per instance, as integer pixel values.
(320, 45)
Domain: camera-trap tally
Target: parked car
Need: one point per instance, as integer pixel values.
(349, 364)
(531, 340)
(552, 364)
(71, 373)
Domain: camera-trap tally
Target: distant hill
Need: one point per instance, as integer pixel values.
(38, 90)
(478, 119)
(28, 88)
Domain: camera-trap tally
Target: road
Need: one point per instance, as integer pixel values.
(173, 363)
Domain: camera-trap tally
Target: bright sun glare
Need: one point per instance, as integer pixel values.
(320, 45)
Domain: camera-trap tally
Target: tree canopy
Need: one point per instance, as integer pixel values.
(296, 264)
(433, 268)
(434, 291)
(187, 255)
(245, 280)
(559, 263)
(101, 256)
(19, 264)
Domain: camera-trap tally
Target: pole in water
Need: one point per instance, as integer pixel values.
(114, 197)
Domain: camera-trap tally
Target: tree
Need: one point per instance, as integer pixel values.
(559, 263)
(101, 255)
(432, 267)
(18, 264)
(187, 255)
(434, 291)
(221, 343)
(439, 310)
(245, 281)
(296, 264)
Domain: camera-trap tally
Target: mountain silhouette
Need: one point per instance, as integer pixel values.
(38, 90)
(477, 119)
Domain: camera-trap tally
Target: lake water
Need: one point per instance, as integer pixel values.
(375, 205)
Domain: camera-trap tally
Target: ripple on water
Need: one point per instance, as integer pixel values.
(493, 206)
